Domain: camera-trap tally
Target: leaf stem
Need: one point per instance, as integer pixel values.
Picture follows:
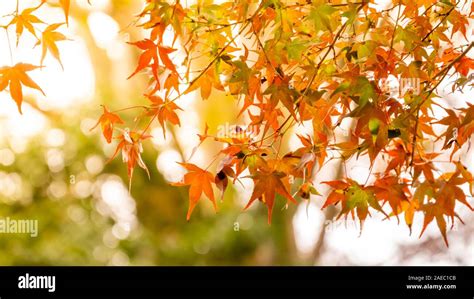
(9, 46)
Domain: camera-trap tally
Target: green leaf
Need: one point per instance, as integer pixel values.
(321, 16)
(366, 49)
(447, 2)
(342, 87)
(407, 36)
(364, 89)
(351, 14)
(295, 48)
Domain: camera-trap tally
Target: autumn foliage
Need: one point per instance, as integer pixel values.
(323, 63)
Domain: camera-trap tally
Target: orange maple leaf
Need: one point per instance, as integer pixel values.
(65, 5)
(199, 180)
(149, 54)
(389, 189)
(464, 65)
(15, 76)
(353, 198)
(107, 121)
(202, 82)
(25, 20)
(433, 211)
(131, 146)
(165, 111)
(49, 39)
(164, 52)
(267, 184)
(442, 194)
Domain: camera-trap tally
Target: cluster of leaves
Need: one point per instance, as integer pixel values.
(16, 76)
(295, 61)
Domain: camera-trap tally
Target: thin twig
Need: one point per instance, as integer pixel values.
(395, 29)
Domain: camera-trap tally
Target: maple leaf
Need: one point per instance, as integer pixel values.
(433, 211)
(321, 16)
(25, 20)
(131, 147)
(149, 54)
(350, 147)
(306, 155)
(107, 122)
(453, 122)
(468, 177)
(15, 77)
(424, 164)
(464, 65)
(409, 208)
(205, 82)
(48, 41)
(172, 81)
(372, 126)
(254, 159)
(224, 170)
(389, 189)
(353, 197)
(267, 185)
(459, 22)
(65, 5)
(165, 111)
(200, 181)
(466, 126)
(438, 198)
(164, 52)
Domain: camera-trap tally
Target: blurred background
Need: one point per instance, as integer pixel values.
(53, 168)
